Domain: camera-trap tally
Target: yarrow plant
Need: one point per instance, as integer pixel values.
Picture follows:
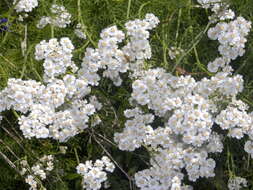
(41, 102)
(220, 9)
(180, 121)
(79, 31)
(94, 174)
(56, 55)
(25, 5)
(175, 52)
(236, 183)
(231, 35)
(232, 39)
(60, 17)
(38, 172)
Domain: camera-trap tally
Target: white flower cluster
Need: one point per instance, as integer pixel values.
(184, 109)
(167, 164)
(25, 5)
(37, 172)
(94, 174)
(56, 55)
(79, 31)
(107, 56)
(135, 130)
(188, 109)
(60, 17)
(176, 185)
(56, 109)
(235, 119)
(199, 165)
(231, 35)
(232, 39)
(162, 92)
(208, 3)
(30, 180)
(138, 48)
(174, 52)
(248, 147)
(220, 9)
(20, 95)
(236, 183)
(45, 122)
(111, 58)
(215, 143)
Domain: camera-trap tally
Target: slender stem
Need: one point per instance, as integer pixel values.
(80, 20)
(35, 71)
(11, 164)
(52, 31)
(199, 63)
(105, 139)
(197, 40)
(141, 7)
(8, 61)
(79, 10)
(18, 136)
(76, 154)
(248, 162)
(128, 8)
(109, 155)
(178, 24)
(10, 150)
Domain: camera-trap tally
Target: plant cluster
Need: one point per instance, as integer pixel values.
(37, 173)
(95, 174)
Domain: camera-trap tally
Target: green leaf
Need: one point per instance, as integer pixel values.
(72, 176)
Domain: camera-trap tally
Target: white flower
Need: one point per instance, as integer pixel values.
(56, 55)
(30, 180)
(25, 5)
(236, 183)
(60, 18)
(248, 147)
(94, 174)
(232, 39)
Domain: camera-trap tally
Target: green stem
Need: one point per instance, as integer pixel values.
(79, 11)
(76, 154)
(141, 7)
(197, 40)
(178, 24)
(80, 20)
(128, 8)
(52, 31)
(200, 66)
